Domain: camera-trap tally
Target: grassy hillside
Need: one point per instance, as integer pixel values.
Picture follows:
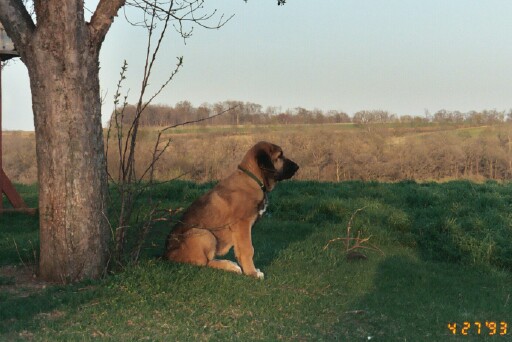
(447, 259)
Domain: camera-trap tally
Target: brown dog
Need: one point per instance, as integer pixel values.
(224, 216)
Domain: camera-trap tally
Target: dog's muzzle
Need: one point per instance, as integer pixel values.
(289, 169)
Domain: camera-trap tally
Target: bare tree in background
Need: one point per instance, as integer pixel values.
(61, 52)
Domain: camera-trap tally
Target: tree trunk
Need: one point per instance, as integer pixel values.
(63, 71)
(61, 52)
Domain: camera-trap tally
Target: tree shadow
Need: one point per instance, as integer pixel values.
(459, 222)
(283, 223)
(415, 300)
(271, 237)
(20, 311)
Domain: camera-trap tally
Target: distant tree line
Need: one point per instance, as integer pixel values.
(431, 152)
(247, 113)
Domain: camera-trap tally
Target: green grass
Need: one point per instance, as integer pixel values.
(448, 258)
(18, 232)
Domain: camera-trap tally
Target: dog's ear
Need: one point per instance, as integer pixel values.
(264, 161)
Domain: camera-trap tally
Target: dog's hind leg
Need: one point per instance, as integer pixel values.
(225, 265)
(196, 246)
(221, 264)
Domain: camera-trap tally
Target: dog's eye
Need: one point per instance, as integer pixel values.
(279, 156)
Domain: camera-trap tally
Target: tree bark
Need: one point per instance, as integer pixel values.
(63, 70)
(62, 57)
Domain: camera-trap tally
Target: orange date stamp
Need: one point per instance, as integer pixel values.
(490, 328)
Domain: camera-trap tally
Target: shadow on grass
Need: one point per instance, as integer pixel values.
(19, 238)
(460, 221)
(460, 235)
(272, 237)
(20, 313)
(280, 227)
(415, 300)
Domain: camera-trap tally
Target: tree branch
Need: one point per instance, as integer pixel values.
(180, 12)
(198, 120)
(158, 153)
(17, 23)
(103, 18)
(279, 2)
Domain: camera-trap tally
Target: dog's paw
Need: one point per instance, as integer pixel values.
(259, 274)
(234, 267)
(238, 269)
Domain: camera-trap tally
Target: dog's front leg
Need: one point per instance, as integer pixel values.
(244, 251)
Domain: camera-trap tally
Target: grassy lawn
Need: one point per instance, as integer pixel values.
(447, 259)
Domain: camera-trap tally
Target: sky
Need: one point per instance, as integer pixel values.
(403, 56)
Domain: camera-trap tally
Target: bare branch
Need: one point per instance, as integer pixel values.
(17, 23)
(169, 79)
(353, 244)
(158, 153)
(132, 133)
(279, 2)
(198, 120)
(143, 232)
(184, 11)
(103, 18)
(115, 119)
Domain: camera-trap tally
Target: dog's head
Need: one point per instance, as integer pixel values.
(267, 161)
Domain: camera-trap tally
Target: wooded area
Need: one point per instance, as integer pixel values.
(329, 147)
(248, 113)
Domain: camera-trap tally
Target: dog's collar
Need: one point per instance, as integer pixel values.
(253, 176)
